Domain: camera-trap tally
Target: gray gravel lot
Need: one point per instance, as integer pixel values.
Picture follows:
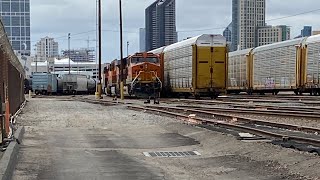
(76, 140)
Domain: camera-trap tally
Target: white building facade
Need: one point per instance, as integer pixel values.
(273, 34)
(46, 48)
(62, 67)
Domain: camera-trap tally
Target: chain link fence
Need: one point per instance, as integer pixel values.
(12, 77)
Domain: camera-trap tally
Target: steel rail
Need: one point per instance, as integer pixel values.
(246, 105)
(298, 114)
(170, 111)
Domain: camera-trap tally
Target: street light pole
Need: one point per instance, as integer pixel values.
(69, 52)
(121, 55)
(99, 86)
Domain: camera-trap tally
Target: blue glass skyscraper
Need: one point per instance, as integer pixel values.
(306, 31)
(15, 15)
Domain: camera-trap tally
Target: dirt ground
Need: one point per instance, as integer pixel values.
(76, 140)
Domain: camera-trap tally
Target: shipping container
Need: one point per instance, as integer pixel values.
(44, 83)
(196, 66)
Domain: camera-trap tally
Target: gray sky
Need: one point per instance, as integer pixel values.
(56, 18)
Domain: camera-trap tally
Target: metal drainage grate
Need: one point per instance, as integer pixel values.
(172, 154)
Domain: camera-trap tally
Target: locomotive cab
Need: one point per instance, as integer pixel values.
(144, 75)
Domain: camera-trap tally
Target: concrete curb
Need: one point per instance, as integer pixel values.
(10, 157)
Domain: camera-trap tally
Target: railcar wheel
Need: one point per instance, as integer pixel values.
(44, 92)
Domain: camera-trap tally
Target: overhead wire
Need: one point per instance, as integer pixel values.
(285, 17)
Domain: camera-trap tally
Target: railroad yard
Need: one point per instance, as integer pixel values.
(232, 137)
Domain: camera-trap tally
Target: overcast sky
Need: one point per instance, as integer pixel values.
(56, 18)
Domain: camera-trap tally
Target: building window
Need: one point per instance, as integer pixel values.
(15, 7)
(15, 21)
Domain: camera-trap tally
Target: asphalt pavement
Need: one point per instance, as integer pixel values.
(68, 140)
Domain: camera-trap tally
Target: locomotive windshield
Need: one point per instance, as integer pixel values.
(136, 60)
(152, 60)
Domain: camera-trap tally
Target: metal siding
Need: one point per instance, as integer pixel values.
(275, 68)
(313, 64)
(237, 71)
(178, 68)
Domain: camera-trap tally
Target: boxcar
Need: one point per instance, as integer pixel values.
(44, 83)
(196, 66)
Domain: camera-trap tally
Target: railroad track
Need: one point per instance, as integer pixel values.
(243, 101)
(101, 102)
(301, 134)
(259, 111)
(249, 105)
(285, 132)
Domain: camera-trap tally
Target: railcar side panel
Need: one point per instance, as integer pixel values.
(313, 65)
(275, 68)
(239, 71)
(178, 69)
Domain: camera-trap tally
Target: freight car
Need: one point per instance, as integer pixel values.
(76, 84)
(44, 83)
(196, 66)
(239, 71)
(142, 76)
(291, 65)
(309, 57)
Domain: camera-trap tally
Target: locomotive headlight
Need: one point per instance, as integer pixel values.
(139, 79)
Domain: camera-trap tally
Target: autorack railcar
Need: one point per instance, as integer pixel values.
(196, 66)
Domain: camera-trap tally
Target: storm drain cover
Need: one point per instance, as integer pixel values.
(172, 154)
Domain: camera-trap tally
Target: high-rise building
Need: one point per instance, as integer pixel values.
(15, 15)
(46, 48)
(80, 55)
(160, 24)
(227, 33)
(306, 31)
(273, 34)
(247, 17)
(142, 42)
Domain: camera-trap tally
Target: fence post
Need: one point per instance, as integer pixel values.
(1, 122)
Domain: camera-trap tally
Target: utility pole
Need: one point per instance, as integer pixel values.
(35, 57)
(36, 63)
(69, 52)
(121, 54)
(127, 48)
(99, 86)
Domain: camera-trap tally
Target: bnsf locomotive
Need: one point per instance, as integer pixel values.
(142, 76)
